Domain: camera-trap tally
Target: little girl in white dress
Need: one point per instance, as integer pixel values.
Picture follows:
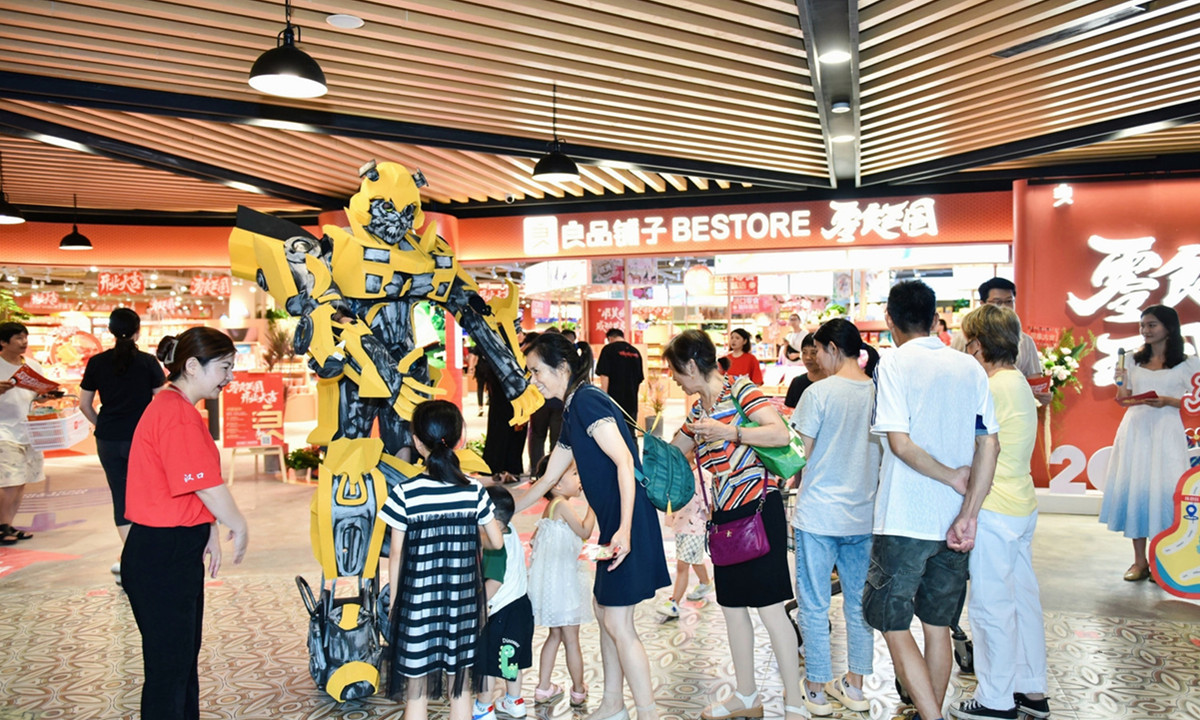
(560, 589)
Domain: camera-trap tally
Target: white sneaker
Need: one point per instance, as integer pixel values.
(669, 609)
(509, 707)
(483, 712)
(700, 591)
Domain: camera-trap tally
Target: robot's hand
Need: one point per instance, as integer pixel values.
(303, 335)
(479, 305)
(525, 405)
(334, 366)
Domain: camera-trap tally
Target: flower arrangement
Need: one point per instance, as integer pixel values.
(1061, 363)
(656, 393)
(306, 458)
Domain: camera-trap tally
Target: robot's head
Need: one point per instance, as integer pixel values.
(387, 200)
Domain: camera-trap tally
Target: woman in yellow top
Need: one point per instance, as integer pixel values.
(1005, 610)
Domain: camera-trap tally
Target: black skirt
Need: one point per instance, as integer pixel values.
(763, 581)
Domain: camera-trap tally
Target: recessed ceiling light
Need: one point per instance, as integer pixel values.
(345, 22)
(839, 107)
(833, 57)
(842, 138)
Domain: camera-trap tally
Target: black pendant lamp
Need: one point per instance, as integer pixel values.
(555, 166)
(286, 70)
(9, 213)
(75, 240)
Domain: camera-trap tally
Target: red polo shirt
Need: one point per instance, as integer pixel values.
(173, 456)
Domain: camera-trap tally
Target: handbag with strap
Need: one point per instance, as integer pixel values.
(666, 473)
(737, 541)
(783, 461)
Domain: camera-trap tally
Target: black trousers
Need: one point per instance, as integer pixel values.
(162, 572)
(114, 458)
(546, 420)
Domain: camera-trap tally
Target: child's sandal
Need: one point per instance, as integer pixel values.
(544, 697)
(579, 699)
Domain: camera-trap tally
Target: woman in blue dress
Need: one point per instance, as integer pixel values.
(596, 437)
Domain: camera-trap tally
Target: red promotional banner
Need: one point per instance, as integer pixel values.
(252, 408)
(737, 285)
(219, 285)
(1092, 263)
(602, 315)
(121, 283)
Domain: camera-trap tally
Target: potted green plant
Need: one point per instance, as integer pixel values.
(305, 461)
(10, 311)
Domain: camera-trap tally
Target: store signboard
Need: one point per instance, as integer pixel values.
(45, 300)
(252, 410)
(541, 309)
(120, 283)
(215, 285)
(1093, 266)
(961, 218)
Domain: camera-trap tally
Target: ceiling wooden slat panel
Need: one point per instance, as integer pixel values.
(1182, 139)
(931, 87)
(37, 174)
(718, 92)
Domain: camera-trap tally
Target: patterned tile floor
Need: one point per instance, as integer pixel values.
(69, 647)
(75, 655)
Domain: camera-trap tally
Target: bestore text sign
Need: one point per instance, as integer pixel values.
(965, 218)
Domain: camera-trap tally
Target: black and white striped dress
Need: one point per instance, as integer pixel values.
(440, 606)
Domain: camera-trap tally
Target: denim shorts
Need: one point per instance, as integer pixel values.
(909, 576)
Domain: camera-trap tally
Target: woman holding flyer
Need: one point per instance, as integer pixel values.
(20, 462)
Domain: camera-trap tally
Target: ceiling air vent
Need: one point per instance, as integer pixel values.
(1079, 28)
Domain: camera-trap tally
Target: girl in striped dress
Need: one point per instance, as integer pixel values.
(437, 600)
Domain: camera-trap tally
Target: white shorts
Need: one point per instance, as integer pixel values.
(690, 549)
(19, 464)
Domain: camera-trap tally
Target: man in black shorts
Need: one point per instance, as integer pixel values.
(934, 409)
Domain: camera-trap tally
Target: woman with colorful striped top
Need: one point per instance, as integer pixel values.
(741, 487)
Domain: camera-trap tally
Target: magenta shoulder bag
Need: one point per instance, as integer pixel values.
(737, 541)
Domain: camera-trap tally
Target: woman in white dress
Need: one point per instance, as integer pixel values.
(1150, 452)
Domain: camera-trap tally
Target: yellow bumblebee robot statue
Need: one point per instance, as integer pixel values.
(353, 291)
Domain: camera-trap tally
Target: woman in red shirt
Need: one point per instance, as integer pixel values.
(742, 362)
(174, 497)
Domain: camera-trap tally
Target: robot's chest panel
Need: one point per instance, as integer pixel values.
(367, 271)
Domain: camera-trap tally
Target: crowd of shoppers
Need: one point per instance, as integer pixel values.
(918, 478)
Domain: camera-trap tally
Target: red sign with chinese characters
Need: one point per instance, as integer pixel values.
(252, 408)
(1095, 265)
(603, 315)
(121, 283)
(736, 285)
(217, 285)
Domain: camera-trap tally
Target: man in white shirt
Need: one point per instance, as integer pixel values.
(934, 410)
(796, 332)
(20, 462)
